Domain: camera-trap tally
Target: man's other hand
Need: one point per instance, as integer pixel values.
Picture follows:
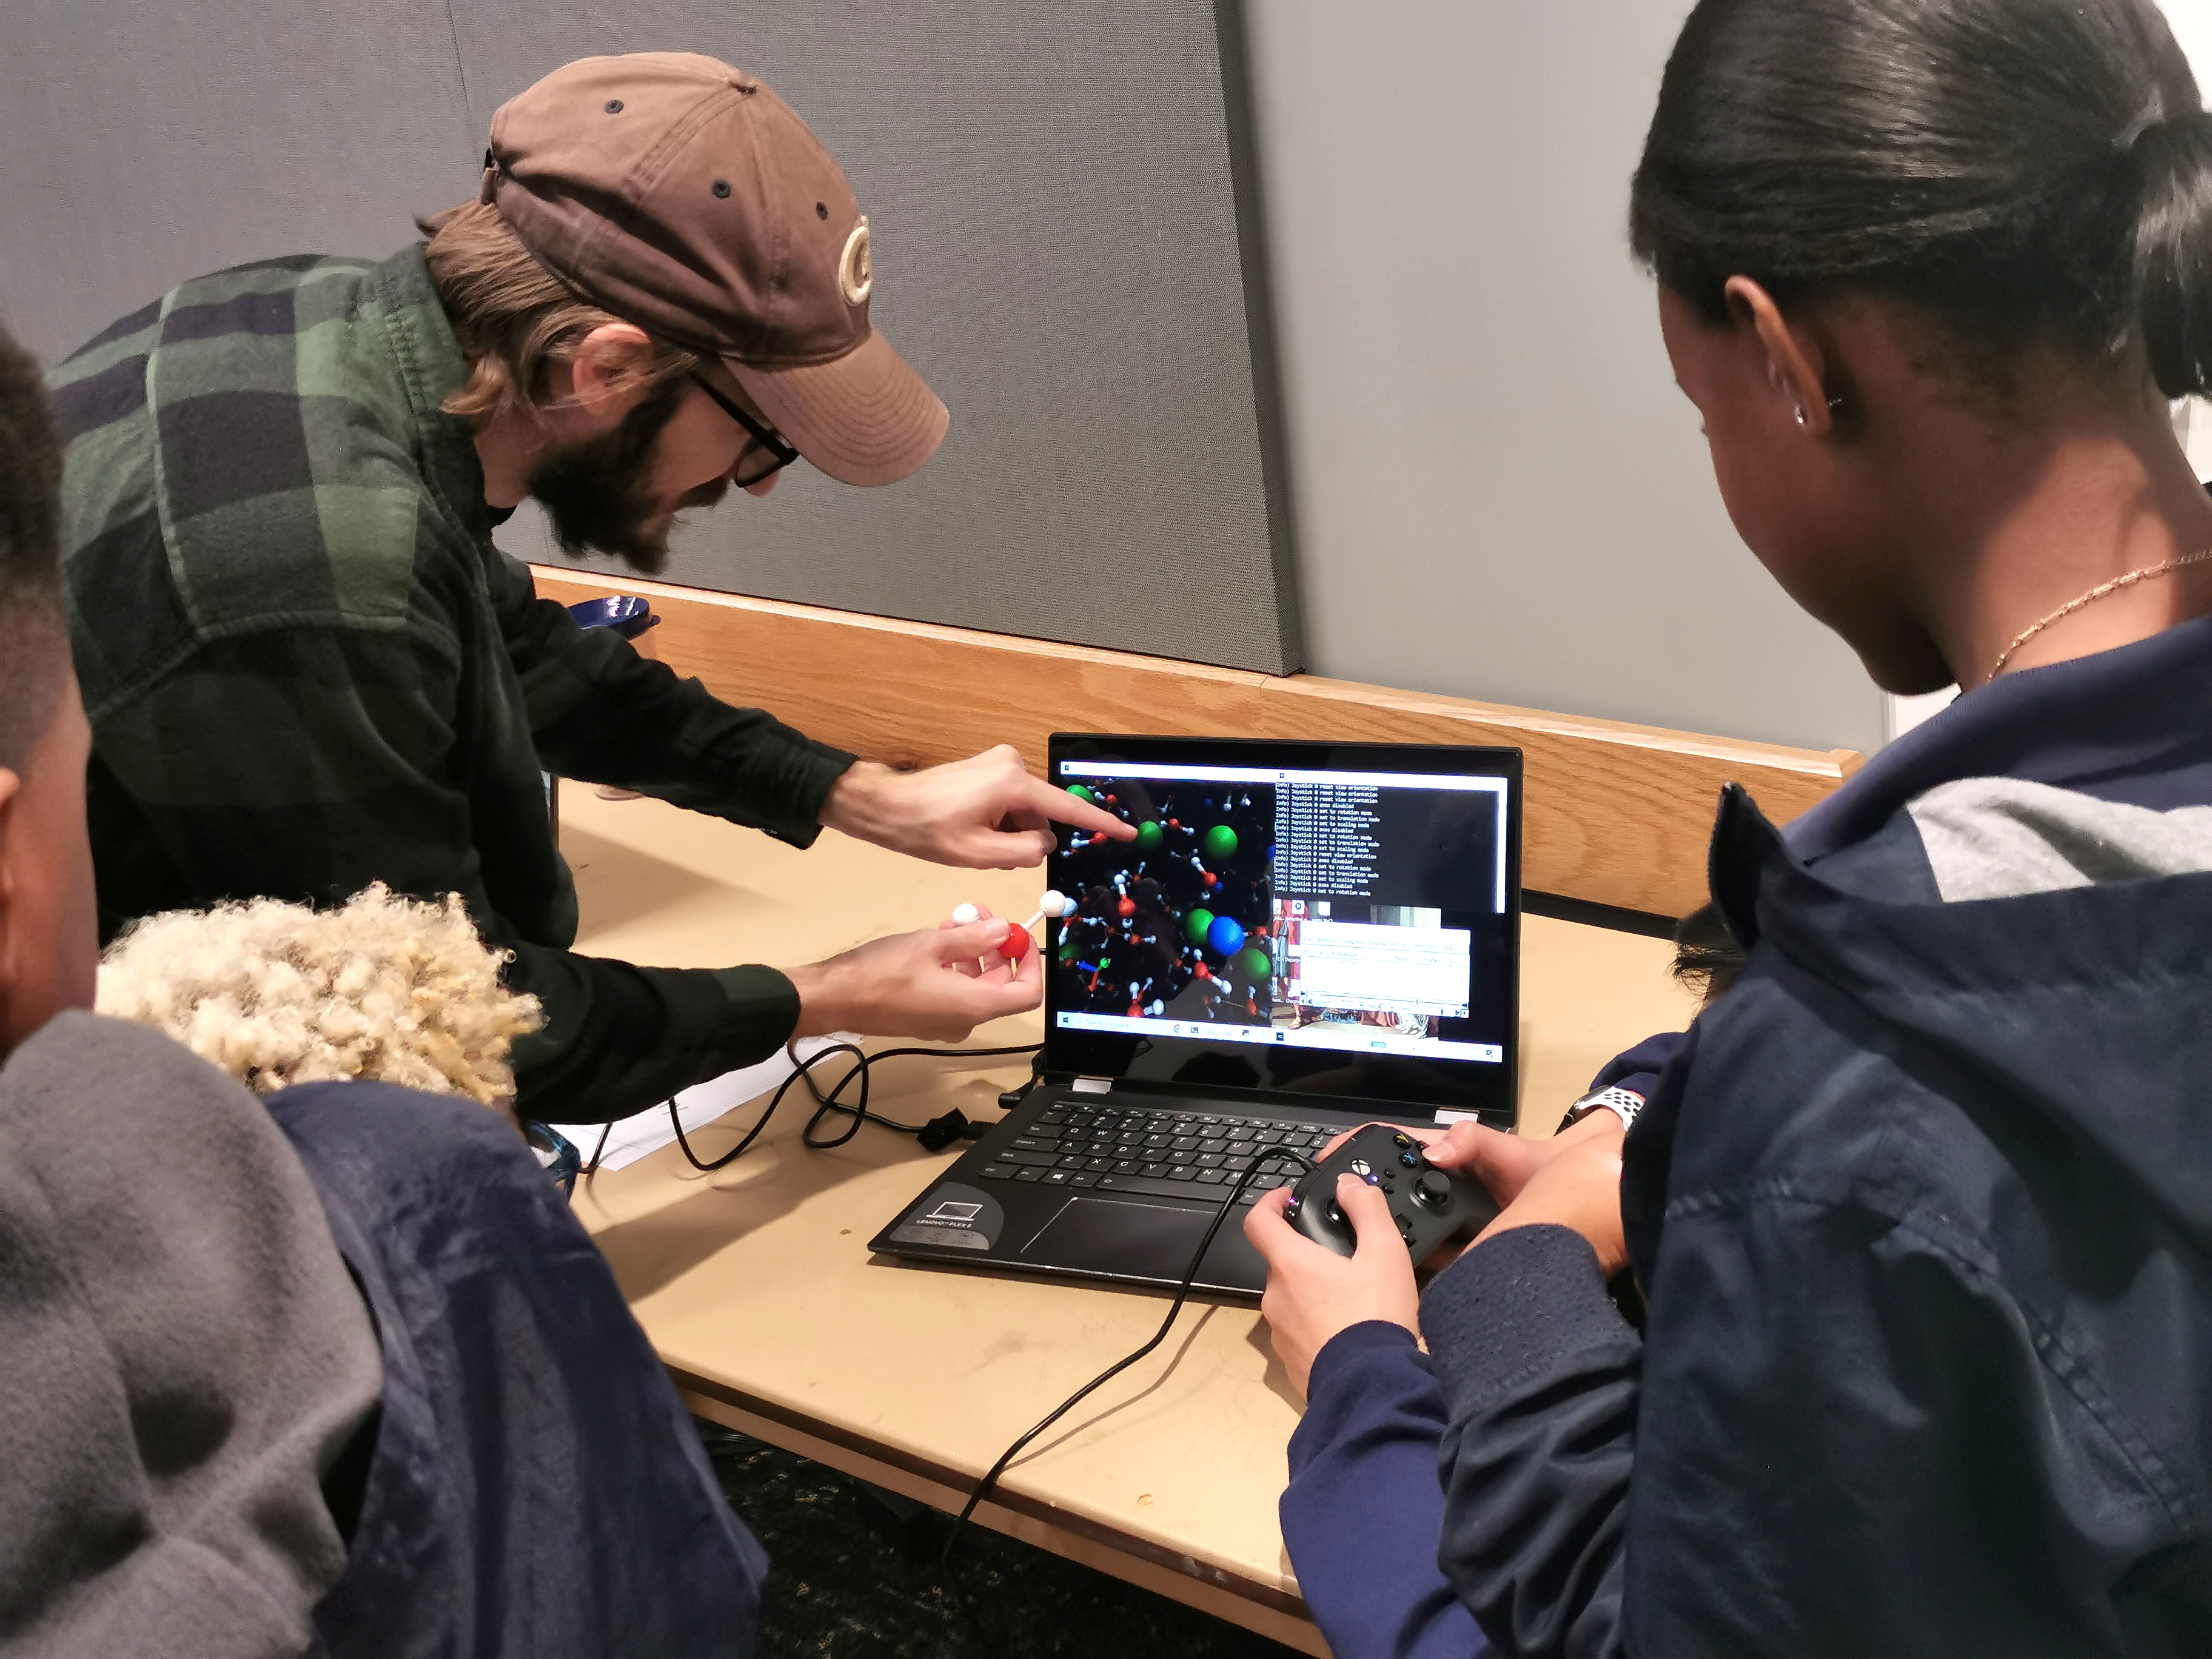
(984, 813)
(1313, 1292)
(938, 985)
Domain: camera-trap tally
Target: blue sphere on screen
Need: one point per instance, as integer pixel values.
(1227, 936)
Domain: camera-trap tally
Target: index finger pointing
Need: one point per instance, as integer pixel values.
(1064, 808)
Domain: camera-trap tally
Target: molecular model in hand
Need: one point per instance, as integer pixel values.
(1018, 940)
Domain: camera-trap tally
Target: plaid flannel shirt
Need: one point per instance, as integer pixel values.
(308, 669)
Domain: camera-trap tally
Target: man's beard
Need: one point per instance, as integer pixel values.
(597, 495)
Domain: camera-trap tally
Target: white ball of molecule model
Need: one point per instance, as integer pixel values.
(964, 913)
(1054, 904)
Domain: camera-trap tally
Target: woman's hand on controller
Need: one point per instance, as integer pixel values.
(1572, 1179)
(1313, 1293)
(938, 985)
(1505, 1163)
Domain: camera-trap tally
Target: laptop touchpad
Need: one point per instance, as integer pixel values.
(1130, 1235)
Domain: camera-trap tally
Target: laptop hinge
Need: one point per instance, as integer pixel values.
(1092, 1085)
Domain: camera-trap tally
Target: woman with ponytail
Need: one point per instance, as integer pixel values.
(1921, 1211)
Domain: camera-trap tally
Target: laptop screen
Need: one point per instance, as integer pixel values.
(1335, 920)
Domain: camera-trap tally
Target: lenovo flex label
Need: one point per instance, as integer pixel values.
(956, 1216)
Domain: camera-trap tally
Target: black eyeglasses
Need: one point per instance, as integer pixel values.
(780, 454)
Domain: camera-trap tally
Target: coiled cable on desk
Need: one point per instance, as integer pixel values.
(935, 1134)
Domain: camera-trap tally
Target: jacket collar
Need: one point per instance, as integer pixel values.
(2141, 710)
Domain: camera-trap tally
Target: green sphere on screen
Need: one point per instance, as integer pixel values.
(1195, 925)
(1148, 836)
(1078, 791)
(1069, 952)
(1252, 961)
(1220, 842)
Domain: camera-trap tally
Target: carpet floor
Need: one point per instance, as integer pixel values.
(853, 1578)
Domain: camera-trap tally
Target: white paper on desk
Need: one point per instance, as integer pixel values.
(637, 1137)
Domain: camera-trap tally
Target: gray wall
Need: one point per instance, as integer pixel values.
(1499, 492)
(1051, 187)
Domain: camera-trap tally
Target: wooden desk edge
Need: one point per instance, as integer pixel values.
(1265, 1609)
(1617, 814)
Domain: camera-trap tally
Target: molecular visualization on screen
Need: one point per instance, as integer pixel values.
(1174, 924)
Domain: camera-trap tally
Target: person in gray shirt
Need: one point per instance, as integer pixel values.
(271, 1382)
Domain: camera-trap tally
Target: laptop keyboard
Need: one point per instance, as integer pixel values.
(1165, 1151)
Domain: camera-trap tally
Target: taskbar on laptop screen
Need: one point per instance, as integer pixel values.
(1327, 919)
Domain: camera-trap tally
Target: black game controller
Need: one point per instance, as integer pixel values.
(1429, 1205)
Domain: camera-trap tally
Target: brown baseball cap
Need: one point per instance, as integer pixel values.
(684, 196)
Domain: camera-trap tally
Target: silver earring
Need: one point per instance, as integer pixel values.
(1801, 414)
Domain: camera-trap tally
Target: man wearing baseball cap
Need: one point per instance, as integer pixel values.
(308, 669)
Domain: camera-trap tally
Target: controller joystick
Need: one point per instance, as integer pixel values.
(1435, 1207)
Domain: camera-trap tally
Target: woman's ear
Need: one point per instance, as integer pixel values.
(1795, 366)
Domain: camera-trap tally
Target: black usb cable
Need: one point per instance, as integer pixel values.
(935, 1135)
(1252, 1168)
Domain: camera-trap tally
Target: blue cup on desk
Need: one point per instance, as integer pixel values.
(627, 614)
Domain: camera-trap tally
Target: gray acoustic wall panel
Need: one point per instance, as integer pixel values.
(142, 142)
(1054, 192)
(1500, 492)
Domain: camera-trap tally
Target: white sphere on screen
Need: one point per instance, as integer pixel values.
(964, 913)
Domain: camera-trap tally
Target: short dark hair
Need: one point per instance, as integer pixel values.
(2031, 173)
(33, 637)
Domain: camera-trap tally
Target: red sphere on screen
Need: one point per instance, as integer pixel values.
(1127, 907)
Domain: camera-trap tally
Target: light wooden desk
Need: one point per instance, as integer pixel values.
(758, 1288)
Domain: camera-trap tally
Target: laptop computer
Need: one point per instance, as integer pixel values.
(1303, 937)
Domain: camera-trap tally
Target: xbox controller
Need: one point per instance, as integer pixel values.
(1431, 1205)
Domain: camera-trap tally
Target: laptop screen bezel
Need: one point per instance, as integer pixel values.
(1473, 1086)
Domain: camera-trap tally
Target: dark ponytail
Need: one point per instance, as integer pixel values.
(2034, 173)
(2172, 248)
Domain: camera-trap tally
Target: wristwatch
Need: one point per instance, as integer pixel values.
(1625, 1103)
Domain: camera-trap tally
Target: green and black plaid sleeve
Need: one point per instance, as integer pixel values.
(308, 669)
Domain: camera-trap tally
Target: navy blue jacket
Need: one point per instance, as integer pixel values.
(533, 1488)
(1923, 1211)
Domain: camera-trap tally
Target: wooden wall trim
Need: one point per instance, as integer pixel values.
(1616, 814)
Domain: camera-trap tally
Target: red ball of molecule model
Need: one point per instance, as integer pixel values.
(1016, 944)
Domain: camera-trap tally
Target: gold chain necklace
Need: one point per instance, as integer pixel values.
(2091, 597)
